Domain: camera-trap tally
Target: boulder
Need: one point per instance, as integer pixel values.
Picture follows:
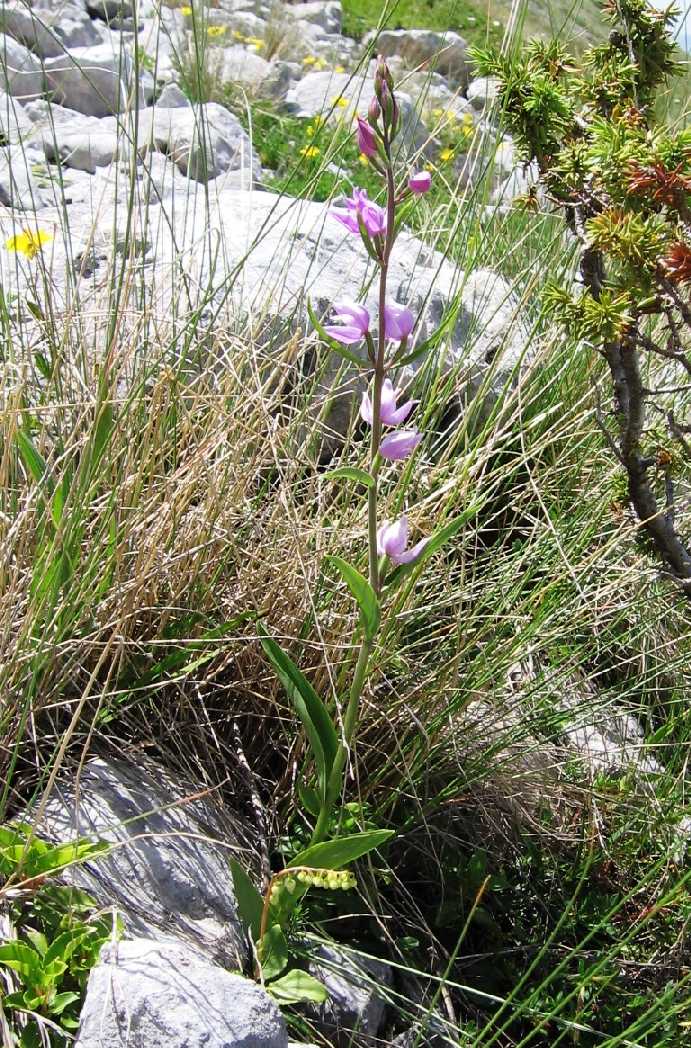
(356, 1007)
(96, 81)
(18, 188)
(443, 53)
(482, 93)
(204, 141)
(144, 994)
(168, 872)
(328, 16)
(49, 31)
(15, 123)
(320, 93)
(20, 71)
(238, 65)
(171, 97)
(83, 150)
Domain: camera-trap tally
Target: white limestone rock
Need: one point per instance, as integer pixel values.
(49, 31)
(96, 81)
(20, 71)
(15, 123)
(443, 53)
(144, 994)
(328, 16)
(168, 874)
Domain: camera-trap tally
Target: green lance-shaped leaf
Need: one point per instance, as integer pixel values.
(360, 476)
(273, 952)
(250, 902)
(298, 986)
(308, 706)
(333, 855)
(332, 343)
(363, 593)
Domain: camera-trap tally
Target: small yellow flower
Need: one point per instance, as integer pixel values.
(186, 12)
(339, 69)
(215, 31)
(437, 113)
(363, 159)
(339, 102)
(468, 120)
(237, 35)
(28, 242)
(320, 64)
(255, 41)
(309, 60)
(446, 155)
(310, 151)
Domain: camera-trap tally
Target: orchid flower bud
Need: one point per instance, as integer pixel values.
(374, 111)
(366, 139)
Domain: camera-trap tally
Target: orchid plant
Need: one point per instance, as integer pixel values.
(392, 439)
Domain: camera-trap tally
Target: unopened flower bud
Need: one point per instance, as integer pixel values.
(374, 111)
(290, 884)
(304, 877)
(275, 893)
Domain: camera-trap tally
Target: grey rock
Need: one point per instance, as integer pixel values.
(110, 10)
(144, 994)
(240, 66)
(96, 81)
(83, 150)
(15, 123)
(18, 188)
(171, 97)
(316, 93)
(431, 91)
(204, 141)
(482, 93)
(328, 15)
(243, 22)
(49, 31)
(443, 53)
(168, 874)
(20, 71)
(356, 1005)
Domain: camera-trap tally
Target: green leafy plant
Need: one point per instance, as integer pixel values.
(623, 181)
(53, 937)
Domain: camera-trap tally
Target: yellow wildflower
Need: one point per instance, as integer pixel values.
(310, 151)
(320, 64)
(216, 30)
(309, 60)
(256, 41)
(363, 160)
(446, 155)
(186, 11)
(339, 102)
(468, 120)
(238, 35)
(339, 69)
(28, 242)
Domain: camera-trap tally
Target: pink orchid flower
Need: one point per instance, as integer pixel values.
(392, 539)
(360, 206)
(390, 413)
(420, 182)
(351, 323)
(398, 445)
(398, 322)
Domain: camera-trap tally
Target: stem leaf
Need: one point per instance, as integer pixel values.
(363, 593)
(334, 855)
(360, 476)
(298, 986)
(308, 706)
(250, 902)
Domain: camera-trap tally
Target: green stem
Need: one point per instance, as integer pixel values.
(335, 782)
